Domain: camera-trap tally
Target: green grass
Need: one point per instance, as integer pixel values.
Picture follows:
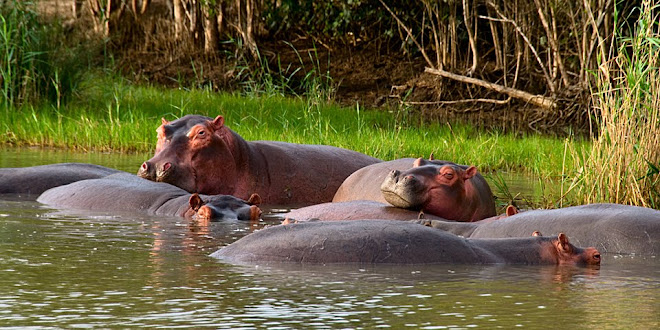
(111, 114)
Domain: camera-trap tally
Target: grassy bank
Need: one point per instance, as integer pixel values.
(111, 114)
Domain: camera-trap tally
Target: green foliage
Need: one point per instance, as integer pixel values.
(622, 166)
(111, 114)
(359, 18)
(35, 63)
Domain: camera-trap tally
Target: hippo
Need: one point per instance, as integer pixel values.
(34, 180)
(612, 228)
(355, 210)
(445, 189)
(210, 158)
(127, 192)
(368, 210)
(395, 242)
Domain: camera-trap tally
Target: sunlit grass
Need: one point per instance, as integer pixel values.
(111, 114)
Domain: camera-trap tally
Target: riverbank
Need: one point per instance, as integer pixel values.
(111, 114)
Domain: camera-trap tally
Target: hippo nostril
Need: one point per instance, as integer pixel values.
(597, 256)
(167, 166)
(145, 166)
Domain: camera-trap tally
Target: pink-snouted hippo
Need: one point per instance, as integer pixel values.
(125, 192)
(32, 181)
(169, 129)
(210, 158)
(441, 188)
(612, 228)
(395, 242)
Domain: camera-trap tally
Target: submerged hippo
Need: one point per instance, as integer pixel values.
(36, 179)
(612, 228)
(355, 210)
(395, 242)
(368, 210)
(127, 192)
(210, 158)
(454, 192)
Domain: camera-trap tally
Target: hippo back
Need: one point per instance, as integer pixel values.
(355, 210)
(393, 242)
(610, 228)
(35, 180)
(117, 192)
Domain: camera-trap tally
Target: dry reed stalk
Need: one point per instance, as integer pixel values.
(622, 166)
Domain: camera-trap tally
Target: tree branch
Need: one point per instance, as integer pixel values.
(539, 100)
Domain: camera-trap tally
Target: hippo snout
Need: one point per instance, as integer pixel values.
(163, 171)
(205, 213)
(146, 171)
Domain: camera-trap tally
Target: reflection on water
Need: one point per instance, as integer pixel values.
(72, 269)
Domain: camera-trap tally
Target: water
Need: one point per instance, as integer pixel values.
(74, 269)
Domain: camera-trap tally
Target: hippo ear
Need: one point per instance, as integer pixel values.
(195, 202)
(536, 233)
(470, 172)
(218, 122)
(164, 121)
(563, 244)
(254, 199)
(419, 162)
(511, 210)
(431, 156)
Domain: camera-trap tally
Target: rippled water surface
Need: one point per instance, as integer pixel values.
(69, 269)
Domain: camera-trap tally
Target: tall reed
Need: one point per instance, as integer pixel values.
(622, 165)
(35, 62)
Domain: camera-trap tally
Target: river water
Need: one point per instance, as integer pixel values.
(67, 269)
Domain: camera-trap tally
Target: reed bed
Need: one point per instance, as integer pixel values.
(624, 161)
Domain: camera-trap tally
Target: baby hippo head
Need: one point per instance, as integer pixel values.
(567, 253)
(435, 187)
(225, 207)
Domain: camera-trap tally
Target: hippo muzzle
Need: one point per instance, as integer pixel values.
(403, 191)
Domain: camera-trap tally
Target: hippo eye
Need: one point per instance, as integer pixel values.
(449, 175)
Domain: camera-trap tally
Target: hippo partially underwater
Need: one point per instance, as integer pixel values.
(34, 180)
(395, 242)
(129, 193)
(612, 228)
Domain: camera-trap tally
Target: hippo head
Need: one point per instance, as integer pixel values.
(197, 159)
(563, 252)
(225, 207)
(435, 187)
(166, 132)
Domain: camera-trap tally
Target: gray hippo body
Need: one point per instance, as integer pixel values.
(394, 242)
(611, 228)
(35, 180)
(123, 192)
(355, 210)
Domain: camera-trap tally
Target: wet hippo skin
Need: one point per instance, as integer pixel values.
(201, 154)
(441, 188)
(355, 210)
(36, 179)
(127, 192)
(395, 242)
(611, 228)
